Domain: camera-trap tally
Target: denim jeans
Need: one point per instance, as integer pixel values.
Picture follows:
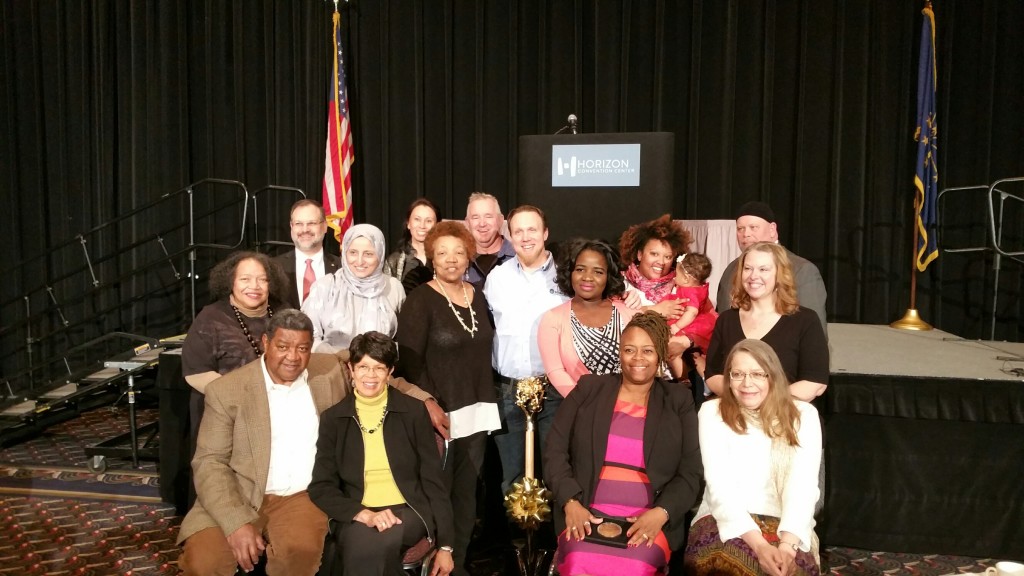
(511, 440)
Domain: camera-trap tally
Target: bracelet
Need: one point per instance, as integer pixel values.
(667, 515)
(447, 549)
(796, 546)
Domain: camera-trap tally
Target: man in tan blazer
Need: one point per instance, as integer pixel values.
(250, 483)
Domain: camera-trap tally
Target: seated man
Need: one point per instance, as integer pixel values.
(255, 453)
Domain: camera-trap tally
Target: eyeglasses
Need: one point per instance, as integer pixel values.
(307, 224)
(739, 375)
(379, 371)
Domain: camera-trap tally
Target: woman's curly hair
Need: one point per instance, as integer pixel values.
(571, 250)
(222, 276)
(636, 237)
(452, 228)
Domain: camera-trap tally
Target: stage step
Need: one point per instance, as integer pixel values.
(58, 393)
(100, 375)
(19, 409)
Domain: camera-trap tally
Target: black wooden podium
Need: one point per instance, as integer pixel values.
(597, 185)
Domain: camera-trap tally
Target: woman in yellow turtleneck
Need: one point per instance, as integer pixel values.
(376, 462)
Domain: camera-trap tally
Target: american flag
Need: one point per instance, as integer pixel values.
(339, 158)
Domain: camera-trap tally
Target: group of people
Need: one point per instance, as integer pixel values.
(363, 389)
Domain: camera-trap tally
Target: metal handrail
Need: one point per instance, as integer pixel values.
(158, 236)
(997, 230)
(939, 213)
(52, 313)
(81, 297)
(192, 232)
(256, 215)
(994, 223)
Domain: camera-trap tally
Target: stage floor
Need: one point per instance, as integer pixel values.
(879, 350)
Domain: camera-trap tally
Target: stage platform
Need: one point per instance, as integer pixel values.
(924, 443)
(878, 350)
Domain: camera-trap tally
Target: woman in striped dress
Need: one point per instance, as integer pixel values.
(623, 462)
(582, 335)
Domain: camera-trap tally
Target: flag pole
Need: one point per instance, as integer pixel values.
(925, 135)
(911, 320)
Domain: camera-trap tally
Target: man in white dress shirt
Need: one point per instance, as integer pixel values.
(308, 262)
(519, 292)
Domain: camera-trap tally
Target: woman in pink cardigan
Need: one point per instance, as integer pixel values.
(582, 336)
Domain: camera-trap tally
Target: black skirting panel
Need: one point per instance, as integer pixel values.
(925, 465)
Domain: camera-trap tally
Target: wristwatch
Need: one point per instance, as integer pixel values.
(796, 547)
(447, 549)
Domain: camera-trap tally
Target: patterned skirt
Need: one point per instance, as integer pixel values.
(707, 555)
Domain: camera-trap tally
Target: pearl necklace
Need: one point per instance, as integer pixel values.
(245, 329)
(375, 428)
(472, 315)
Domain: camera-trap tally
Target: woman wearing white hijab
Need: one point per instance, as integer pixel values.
(357, 298)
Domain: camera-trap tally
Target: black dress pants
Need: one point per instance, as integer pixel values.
(366, 552)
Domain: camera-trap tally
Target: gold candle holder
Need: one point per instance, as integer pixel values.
(528, 502)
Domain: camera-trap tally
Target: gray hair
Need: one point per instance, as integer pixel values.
(289, 319)
(482, 196)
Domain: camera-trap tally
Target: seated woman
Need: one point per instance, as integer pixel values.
(623, 452)
(408, 263)
(765, 308)
(357, 298)
(377, 470)
(761, 451)
(582, 336)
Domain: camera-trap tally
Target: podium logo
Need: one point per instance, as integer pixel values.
(569, 166)
(588, 165)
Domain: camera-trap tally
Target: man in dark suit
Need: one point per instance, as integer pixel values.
(308, 262)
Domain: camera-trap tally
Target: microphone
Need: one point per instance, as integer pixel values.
(573, 123)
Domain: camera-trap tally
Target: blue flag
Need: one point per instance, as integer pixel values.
(927, 178)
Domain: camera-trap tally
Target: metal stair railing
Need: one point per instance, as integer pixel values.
(996, 198)
(257, 244)
(103, 278)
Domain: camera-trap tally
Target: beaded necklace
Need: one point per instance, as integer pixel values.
(375, 428)
(472, 315)
(245, 329)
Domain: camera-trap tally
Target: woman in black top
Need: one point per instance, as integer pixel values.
(765, 308)
(245, 290)
(377, 470)
(408, 263)
(445, 337)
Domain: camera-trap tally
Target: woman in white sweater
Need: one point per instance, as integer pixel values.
(761, 450)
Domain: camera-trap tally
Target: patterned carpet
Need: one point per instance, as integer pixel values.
(64, 445)
(57, 518)
(85, 537)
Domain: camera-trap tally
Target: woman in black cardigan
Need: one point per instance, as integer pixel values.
(624, 450)
(376, 462)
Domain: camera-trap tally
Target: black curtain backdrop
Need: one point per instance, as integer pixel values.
(808, 105)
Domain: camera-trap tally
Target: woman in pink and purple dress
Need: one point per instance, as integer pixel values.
(623, 450)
